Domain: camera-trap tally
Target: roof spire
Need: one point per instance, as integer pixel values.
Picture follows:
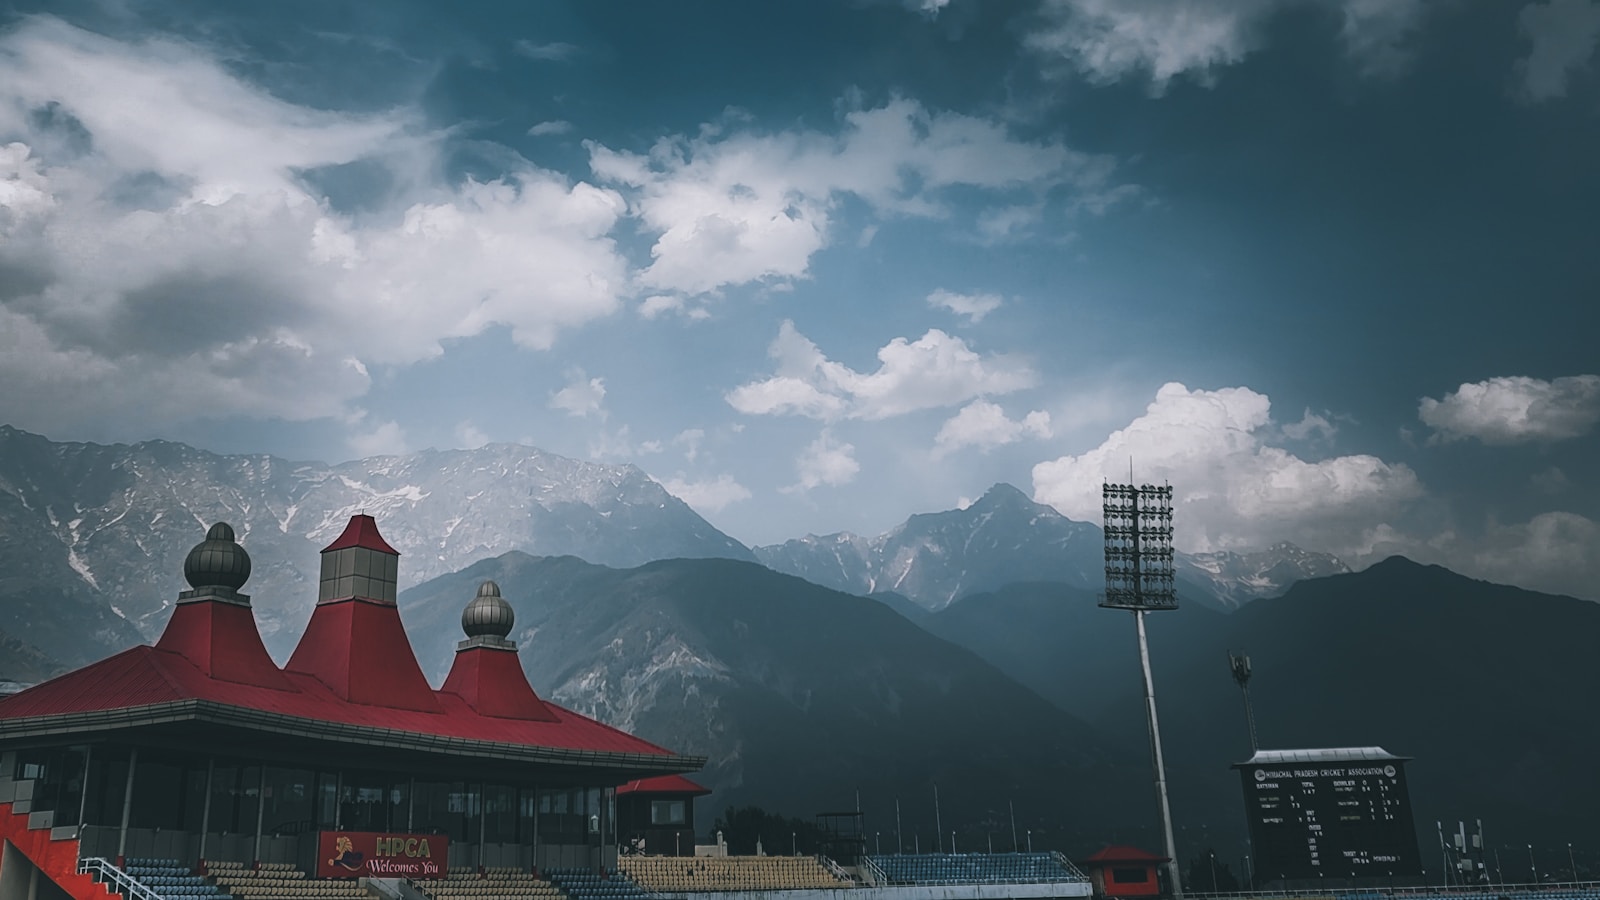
(216, 568)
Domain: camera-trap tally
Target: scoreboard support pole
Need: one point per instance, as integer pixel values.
(1169, 844)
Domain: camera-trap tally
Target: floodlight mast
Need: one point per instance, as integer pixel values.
(1240, 664)
(1140, 578)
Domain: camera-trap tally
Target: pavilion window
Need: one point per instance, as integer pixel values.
(159, 786)
(444, 807)
(667, 812)
(108, 775)
(290, 801)
(365, 799)
(326, 805)
(500, 810)
(235, 792)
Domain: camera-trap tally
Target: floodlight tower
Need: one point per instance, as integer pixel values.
(1240, 664)
(1139, 578)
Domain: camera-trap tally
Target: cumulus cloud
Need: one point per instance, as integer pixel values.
(555, 126)
(936, 370)
(1563, 35)
(161, 241)
(1515, 409)
(707, 495)
(1557, 552)
(825, 461)
(973, 306)
(1233, 489)
(732, 206)
(984, 425)
(1108, 40)
(581, 397)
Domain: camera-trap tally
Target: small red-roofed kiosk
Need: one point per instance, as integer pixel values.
(656, 815)
(1122, 871)
(342, 763)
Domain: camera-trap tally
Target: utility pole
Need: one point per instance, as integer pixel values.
(1240, 665)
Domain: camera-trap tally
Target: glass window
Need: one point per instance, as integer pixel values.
(159, 782)
(500, 812)
(364, 802)
(667, 812)
(108, 778)
(1122, 875)
(290, 799)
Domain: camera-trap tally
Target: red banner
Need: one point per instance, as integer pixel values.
(353, 854)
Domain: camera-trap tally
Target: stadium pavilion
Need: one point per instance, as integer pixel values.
(202, 752)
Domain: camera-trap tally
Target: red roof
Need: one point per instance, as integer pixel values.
(144, 676)
(353, 666)
(492, 682)
(1122, 853)
(663, 784)
(361, 532)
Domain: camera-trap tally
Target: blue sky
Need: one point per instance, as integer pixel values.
(1327, 265)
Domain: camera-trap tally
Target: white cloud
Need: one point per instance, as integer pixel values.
(1556, 552)
(582, 396)
(470, 436)
(1107, 40)
(1232, 489)
(1516, 409)
(689, 439)
(555, 51)
(707, 495)
(1311, 425)
(382, 439)
(555, 126)
(984, 425)
(1563, 35)
(973, 306)
(731, 207)
(163, 241)
(825, 461)
(936, 370)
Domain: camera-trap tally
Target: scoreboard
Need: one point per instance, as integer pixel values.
(1321, 815)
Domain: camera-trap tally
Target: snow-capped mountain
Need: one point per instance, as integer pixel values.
(1004, 538)
(107, 527)
(936, 558)
(1237, 578)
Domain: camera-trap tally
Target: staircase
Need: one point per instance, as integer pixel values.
(56, 859)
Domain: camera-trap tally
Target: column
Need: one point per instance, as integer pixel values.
(261, 810)
(127, 806)
(205, 808)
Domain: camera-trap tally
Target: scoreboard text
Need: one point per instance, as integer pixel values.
(1331, 820)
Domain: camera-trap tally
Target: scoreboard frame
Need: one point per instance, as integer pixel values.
(1330, 817)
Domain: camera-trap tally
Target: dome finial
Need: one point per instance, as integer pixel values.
(488, 618)
(217, 565)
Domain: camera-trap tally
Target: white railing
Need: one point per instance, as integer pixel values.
(126, 885)
(1063, 862)
(874, 874)
(835, 869)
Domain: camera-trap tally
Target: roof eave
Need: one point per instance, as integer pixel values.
(211, 712)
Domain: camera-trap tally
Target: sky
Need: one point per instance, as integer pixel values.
(1329, 267)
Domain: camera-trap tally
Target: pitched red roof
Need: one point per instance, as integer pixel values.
(359, 650)
(663, 784)
(362, 531)
(1122, 853)
(353, 666)
(492, 682)
(146, 676)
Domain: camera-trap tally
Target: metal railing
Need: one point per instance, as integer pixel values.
(874, 875)
(835, 870)
(104, 870)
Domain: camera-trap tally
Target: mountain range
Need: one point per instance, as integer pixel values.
(935, 559)
(980, 662)
(96, 534)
